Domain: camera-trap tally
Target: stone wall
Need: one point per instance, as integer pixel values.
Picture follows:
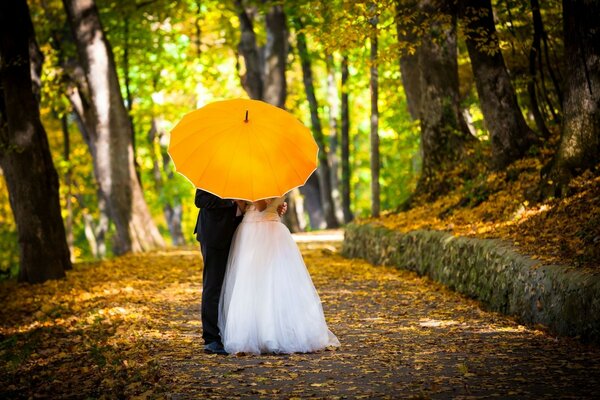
(567, 300)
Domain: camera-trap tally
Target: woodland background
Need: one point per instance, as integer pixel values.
(407, 100)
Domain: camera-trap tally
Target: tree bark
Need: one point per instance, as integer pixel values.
(295, 213)
(172, 208)
(535, 63)
(128, 96)
(444, 132)
(276, 50)
(323, 170)
(580, 141)
(95, 231)
(252, 79)
(25, 155)
(406, 28)
(510, 135)
(313, 203)
(112, 134)
(374, 88)
(198, 26)
(345, 144)
(68, 175)
(334, 161)
(78, 95)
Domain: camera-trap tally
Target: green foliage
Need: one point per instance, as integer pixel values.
(174, 57)
(9, 251)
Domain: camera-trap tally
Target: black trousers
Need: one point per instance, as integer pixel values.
(215, 262)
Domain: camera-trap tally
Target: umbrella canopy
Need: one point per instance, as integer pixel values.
(243, 149)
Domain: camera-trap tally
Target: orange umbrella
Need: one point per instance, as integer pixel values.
(243, 149)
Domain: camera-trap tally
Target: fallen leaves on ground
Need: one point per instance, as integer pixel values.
(562, 231)
(130, 328)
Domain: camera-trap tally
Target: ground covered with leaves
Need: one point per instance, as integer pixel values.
(130, 328)
(506, 205)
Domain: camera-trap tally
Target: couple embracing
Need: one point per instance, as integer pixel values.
(257, 295)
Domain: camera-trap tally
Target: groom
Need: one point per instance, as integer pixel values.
(216, 224)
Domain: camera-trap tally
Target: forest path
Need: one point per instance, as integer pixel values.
(402, 336)
(129, 328)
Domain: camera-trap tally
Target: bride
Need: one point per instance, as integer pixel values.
(268, 302)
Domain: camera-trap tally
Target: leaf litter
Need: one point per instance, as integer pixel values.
(130, 328)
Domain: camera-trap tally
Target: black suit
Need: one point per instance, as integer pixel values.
(215, 227)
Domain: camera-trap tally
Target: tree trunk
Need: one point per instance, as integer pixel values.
(95, 231)
(252, 80)
(334, 161)
(406, 26)
(374, 88)
(444, 132)
(510, 135)
(313, 203)
(198, 26)
(345, 144)
(84, 116)
(112, 150)
(36, 62)
(535, 60)
(68, 196)
(580, 141)
(25, 155)
(172, 208)
(98, 231)
(275, 51)
(128, 96)
(294, 218)
(323, 170)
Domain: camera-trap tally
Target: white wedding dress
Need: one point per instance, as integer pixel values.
(268, 302)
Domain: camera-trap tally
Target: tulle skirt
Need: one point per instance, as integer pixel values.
(268, 302)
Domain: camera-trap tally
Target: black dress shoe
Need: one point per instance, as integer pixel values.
(214, 348)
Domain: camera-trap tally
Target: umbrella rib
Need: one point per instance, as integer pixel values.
(248, 139)
(233, 152)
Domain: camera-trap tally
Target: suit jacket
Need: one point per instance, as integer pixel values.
(216, 221)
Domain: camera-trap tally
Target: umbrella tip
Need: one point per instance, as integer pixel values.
(246, 120)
